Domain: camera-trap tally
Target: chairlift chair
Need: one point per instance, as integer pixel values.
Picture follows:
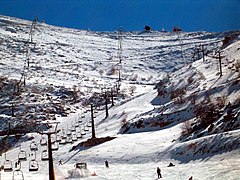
(83, 133)
(74, 137)
(79, 135)
(43, 141)
(33, 165)
(69, 133)
(33, 146)
(53, 138)
(69, 139)
(73, 128)
(89, 124)
(64, 136)
(63, 141)
(55, 146)
(7, 166)
(17, 175)
(86, 128)
(22, 155)
(79, 119)
(44, 155)
(77, 124)
(63, 131)
(59, 138)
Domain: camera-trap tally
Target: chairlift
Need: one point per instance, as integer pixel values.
(7, 166)
(17, 175)
(83, 133)
(77, 124)
(43, 141)
(79, 119)
(74, 137)
(63, 141)
(73, 127)
(33, 165)
(44, 155)
(86, 128)
(22, 155)
(33, 146)
(63, 131)
(53, 138)
(89, 124)
(58, 138)
(79, 135)
(69, 133)
(69, 139)
(67, 129)
(55, 146)
(64, 136)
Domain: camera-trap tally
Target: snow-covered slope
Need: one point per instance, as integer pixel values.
(172, 105)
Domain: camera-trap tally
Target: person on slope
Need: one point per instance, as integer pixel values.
(159, 172)
(106, 164)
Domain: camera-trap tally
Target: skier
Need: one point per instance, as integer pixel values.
(159, 172)
(106, 164)
(60, 162)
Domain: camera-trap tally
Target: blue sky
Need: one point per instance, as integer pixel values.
(109, 15)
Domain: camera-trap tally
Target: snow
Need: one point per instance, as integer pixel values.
(63, 59)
